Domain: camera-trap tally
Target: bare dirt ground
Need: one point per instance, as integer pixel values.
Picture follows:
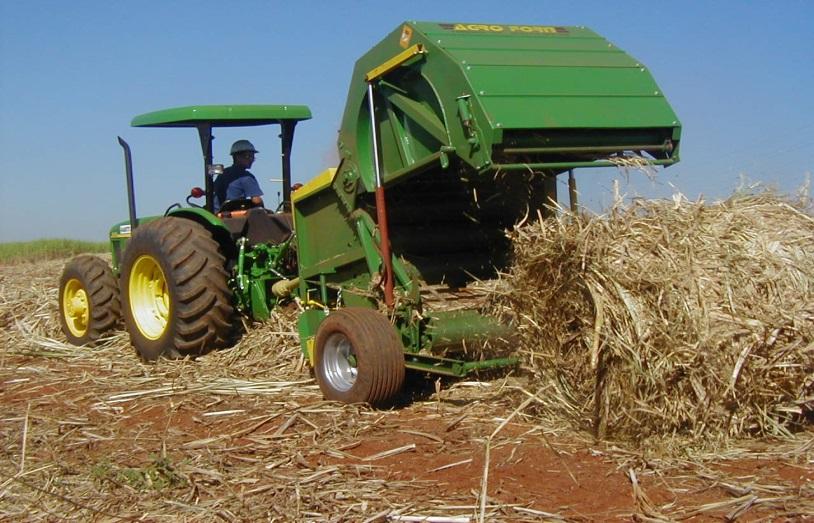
(244, 435)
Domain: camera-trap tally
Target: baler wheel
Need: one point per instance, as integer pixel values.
(88, 300)
(359, 357)
(174, 293)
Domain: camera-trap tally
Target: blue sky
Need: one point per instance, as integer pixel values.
(740, 75)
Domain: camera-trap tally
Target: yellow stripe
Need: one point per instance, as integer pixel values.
(309, 348)
(317, 183)
(394, 62)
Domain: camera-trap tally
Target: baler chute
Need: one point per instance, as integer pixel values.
(472, 125)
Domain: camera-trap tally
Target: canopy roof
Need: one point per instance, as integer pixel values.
(222, 115)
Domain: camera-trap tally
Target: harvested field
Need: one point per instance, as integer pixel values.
(243, 434)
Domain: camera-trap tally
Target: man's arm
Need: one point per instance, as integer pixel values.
(252, 190)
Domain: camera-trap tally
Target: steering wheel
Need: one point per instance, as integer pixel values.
(237, 204)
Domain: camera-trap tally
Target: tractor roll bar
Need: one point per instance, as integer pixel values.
(287, 137)
(205, 134)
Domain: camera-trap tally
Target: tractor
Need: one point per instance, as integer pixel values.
(184, 276)
(452, 134)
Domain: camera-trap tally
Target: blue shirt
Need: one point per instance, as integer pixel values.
(235, 183)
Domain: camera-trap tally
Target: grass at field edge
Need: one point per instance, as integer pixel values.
(47, 249)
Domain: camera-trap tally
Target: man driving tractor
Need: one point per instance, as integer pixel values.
(237, 182)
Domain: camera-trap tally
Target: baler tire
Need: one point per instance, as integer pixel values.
(175, 296)
(377, 372)
(88, 300)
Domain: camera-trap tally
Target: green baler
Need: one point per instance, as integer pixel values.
(471, 125)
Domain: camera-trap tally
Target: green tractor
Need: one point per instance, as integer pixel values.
(452, 133)
(183, 277)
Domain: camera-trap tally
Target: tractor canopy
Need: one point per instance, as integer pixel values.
(222, 115)
(205, 117)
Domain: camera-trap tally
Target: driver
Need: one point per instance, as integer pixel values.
(237, 182)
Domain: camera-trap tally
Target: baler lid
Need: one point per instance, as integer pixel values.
(532, 76)
(222, 115)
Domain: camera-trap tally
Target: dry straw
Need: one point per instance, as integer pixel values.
(243, 434)
(671, 317)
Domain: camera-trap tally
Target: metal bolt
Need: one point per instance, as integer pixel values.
(655, 92)
(482, 93)
(499, 124)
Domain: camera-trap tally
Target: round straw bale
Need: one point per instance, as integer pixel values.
(670, 317)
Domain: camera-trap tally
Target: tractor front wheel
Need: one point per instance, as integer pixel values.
(88, 300)
(174, 293)
(359, 357)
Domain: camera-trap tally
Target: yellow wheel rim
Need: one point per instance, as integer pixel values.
(149, 297)
(75, 307)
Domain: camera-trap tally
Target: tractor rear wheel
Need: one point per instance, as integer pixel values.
(174, 293)
(359, 357)
(88, 300)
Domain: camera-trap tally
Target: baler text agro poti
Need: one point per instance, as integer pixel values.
(452, 133)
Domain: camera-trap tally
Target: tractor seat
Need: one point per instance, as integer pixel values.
(259, 225)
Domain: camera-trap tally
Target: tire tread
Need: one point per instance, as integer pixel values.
(97, 279)
(195, 273)
(379, 353)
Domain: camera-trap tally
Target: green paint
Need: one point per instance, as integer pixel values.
(452, 367)
(256, 270)
(222, 115)
(200, 215)
(446, 328)
(307, 325)
(480, 91)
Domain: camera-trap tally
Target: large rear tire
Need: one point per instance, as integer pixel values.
(359, 357)
(174, 293)
(88, 300)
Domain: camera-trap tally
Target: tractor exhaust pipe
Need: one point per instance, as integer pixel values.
(131, 197)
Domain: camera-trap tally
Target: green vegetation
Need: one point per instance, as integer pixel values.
(158, 474)
(39, 250)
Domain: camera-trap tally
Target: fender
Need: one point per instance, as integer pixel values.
(212, 223)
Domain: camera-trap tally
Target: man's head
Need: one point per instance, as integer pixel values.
(243, 153)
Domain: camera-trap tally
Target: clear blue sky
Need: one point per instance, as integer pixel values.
(740, 75)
